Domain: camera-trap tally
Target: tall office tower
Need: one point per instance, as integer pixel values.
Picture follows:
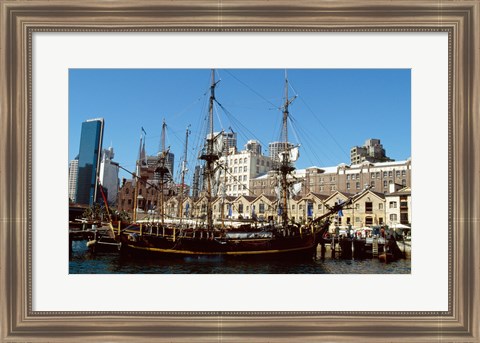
(72, 179)
(275, 148)
(197, 185)
(229, 140)
(109, 175)
(89, 161)
(254, 146)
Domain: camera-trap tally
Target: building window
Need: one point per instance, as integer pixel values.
(319, 206)
(358, 176)
(404, 172)
(245, 169)
(368, 220)
(377, 175)
(369, 207)
(404, 182)
(397, 173)
(236, 161)
(348, 177)
(372, 184)
(348, 185)
(384, 174)
(380, 206)
(393, 217)
(357, 206)
(380, 220)
(244, 177)
(240, 208)
(127, 191)
(385, 184)
(261, 208)
(392, 204)
(300, 207)
(357, 185)
(372, 175)
(293, 207)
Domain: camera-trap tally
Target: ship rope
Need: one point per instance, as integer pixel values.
(342, 149)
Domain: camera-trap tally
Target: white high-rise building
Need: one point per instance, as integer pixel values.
(241, 167)
(109, 175)
(72, 179)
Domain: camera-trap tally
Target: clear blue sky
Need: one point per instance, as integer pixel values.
(335, 109)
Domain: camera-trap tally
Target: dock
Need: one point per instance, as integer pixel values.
(359, 249)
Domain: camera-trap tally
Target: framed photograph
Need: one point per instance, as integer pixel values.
(55, 58)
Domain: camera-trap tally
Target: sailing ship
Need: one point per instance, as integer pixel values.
(268, 239)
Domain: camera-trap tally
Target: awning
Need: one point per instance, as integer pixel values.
(400, 226)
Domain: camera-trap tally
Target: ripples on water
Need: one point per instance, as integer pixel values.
(84, 262)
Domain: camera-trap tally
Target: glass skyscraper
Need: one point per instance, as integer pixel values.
(89, 161)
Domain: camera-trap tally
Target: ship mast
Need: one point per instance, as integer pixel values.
(285, 163)
(209, 155)
(184, 170)
(162, 170)
(224, 190)
(136, 175)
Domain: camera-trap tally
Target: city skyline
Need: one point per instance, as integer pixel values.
(335, 109)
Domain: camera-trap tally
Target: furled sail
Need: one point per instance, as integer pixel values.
(294, 154)
(295, 189)
(218, 144)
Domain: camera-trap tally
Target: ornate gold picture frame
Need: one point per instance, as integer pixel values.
(19, 20)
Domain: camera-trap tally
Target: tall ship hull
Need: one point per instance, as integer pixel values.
(177, 243)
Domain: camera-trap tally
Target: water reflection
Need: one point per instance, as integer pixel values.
(82, 261)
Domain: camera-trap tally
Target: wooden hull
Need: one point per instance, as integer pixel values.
(187, 246)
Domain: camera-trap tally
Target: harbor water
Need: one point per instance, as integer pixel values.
(83, 261)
